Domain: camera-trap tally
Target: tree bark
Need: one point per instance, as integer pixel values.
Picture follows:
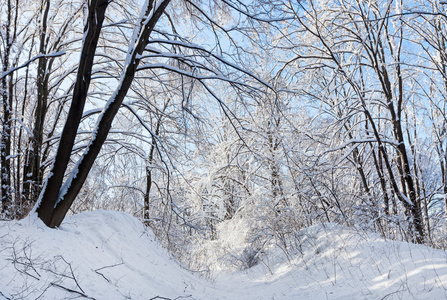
(73, 185)
(5, 140)
(49, 195)
(146, 199)
(32, 174)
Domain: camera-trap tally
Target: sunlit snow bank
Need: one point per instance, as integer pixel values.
(109, 255)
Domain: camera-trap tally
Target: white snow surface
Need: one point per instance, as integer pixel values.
(111, 255)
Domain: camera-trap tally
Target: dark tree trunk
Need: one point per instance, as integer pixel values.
(150, 162)
(50, 192)
(56, 199)
(74, 184)
(5, 140)
(32, 175)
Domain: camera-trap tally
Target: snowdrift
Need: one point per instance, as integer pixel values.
(110, 255)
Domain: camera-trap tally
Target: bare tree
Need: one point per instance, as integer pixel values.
(197, 63)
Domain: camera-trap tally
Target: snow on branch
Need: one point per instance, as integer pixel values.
(190, 74)
(55, 54)
(208, 53)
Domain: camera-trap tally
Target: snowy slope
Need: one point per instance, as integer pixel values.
(110, 255)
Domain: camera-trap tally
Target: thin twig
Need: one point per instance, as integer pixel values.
(72, 273)
(3, 295)
(71, 291)
(111, 266)
(164, 298)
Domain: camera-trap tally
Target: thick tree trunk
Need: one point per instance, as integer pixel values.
(5, 140)
(56, 199)
(74, 183)
(49, 195)
(5, 151)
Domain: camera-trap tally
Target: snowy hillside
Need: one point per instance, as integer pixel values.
(110, 255)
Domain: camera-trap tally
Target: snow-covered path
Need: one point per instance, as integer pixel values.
(110, 255)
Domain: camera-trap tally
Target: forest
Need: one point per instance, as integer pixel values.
(189, 115)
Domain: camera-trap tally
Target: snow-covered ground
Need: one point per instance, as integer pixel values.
(110, 255)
